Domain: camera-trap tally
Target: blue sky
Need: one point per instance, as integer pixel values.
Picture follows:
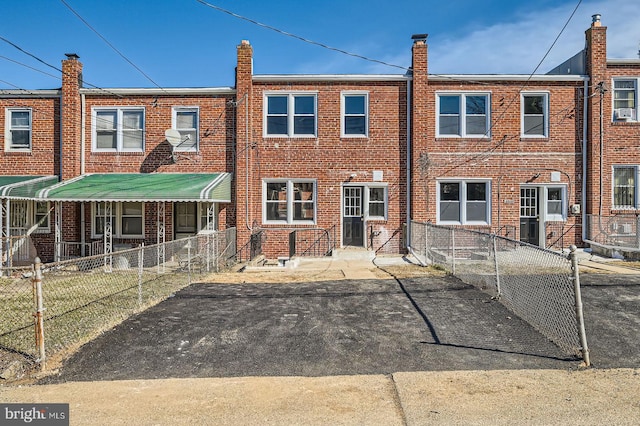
(185, 43)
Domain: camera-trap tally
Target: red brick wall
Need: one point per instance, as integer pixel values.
(328, 158)
(45, 137)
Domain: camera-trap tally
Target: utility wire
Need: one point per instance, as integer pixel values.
(110, 45)
(288, 34)
(30, 67)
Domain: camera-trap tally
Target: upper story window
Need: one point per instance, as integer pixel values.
(625, 99)
(289, 201)
(464, 202)
(290, 115)
(185, 121)
(354, 108)
(463, 114)
(625, 187)
(535, 115)
(118, 129)
(17, 134)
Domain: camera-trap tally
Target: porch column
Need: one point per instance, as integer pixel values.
(57, 234)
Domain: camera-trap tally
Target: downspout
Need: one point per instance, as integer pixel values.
(584, 157)
(82, 168)
(409, 171)
(82, 135)
(61, 135)
(246, 162)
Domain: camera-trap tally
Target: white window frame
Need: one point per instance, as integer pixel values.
(367, 202)
(462, 114)
(555, 217)
(344, 115)
(290, 201)
(290, 115)
(463, 202)
(118, 129)
(8, 128)
(545, 115)
(184, 132)
(636, 175)
(615, 108)
(31, 214)
(117, 216)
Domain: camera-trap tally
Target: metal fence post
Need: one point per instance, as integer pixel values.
(39, 320)
(495, 261)
(453, 251)
(140, 270)
(579, 313)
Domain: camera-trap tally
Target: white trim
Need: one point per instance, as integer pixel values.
(163, 91)
(117, 218)
(636, 98)
(354, 93)
(119, 110)
(462, 114)
(545, 114)
(290, 201)
(7, 129)
(462, 195)
(290, 95)
(174, 119)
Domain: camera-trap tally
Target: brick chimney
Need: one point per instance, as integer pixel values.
(71, 117)
(599, 108)
(421, 115)
(245, 187)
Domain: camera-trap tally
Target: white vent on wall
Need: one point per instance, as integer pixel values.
(625, 113)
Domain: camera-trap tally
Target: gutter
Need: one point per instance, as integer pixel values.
(585, 98)
(409, 118)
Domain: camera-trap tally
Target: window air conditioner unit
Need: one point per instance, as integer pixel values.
(625, 113)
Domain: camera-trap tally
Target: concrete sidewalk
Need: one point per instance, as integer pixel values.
(474, 397)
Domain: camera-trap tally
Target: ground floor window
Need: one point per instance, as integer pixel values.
(377, 203)
(25, 214)
(126, 219)
(191, 218)
(624, 187)
(464, 202)
(289, 201)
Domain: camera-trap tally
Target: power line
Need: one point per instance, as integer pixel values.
(110, 45)
(288, 34)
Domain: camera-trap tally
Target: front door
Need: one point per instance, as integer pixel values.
(529, 215)
(352, 223)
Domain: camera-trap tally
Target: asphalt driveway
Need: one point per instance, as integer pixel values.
(342, 327)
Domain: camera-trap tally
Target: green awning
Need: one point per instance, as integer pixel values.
(24, 187)
(146, 187)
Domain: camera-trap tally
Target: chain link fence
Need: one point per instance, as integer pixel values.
(82, 297)
(616, 232)
(538, 285)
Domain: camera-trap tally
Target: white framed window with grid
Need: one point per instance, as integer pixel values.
(625, 99)
(18, 129)
(290, 114)
(119, 129)
(464, 202)
(186, 120)
(463, 114)
(127, 219)
(534, 120)
(289, 201)
(354, 108)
